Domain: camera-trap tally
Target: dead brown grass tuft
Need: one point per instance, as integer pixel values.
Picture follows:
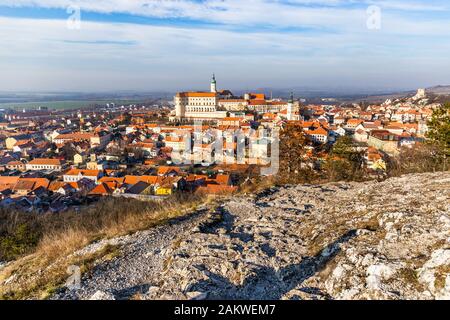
(409, 276)
(58, 244)
(441, 274)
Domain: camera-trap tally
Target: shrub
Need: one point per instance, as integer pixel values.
(21, 241)
(420, 158)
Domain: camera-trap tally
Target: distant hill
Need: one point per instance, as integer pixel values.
(345, 95)
(336, 95)
(439, 90)
(442, 93)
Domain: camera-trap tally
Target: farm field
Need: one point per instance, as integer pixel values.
(62, 105)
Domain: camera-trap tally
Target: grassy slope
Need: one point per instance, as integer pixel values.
(37, 275)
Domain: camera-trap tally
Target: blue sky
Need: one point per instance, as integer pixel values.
(150, 45)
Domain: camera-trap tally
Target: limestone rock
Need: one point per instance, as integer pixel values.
(371, 240)
(101, 295)
(197, 295)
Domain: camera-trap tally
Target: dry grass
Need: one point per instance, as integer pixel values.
(409, 276)
(371, 223)
(41, 279)
(167, 263)
(37, 275)
(60, 244)
(328, 269)
(441, 276)
(257, 185)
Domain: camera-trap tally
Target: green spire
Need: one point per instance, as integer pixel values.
(291, 99)
(213, 78)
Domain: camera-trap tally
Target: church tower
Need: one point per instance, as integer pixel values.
(214, 84)
(290, 108)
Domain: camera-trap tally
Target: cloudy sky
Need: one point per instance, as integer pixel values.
(150, 45)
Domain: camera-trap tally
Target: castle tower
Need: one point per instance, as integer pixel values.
(214, 84)
(180, 106)
(421, 94)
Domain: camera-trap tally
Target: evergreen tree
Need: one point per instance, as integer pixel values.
(346, 148)
(345, 162)
(439, 133)
(439, 128)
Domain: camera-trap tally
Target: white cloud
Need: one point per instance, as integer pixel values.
(45, 55)
(324, 14)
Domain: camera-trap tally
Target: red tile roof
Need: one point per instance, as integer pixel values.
(163, 170)
(88, 173)
(75, 136)
(223, 179)
(131, 180)
(112, 179)
(32, 183)
(50, 162)
(101, 189)
(217, 189)
(318, 131)
(197, 94)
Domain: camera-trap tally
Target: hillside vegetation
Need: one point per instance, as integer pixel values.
(41, 246)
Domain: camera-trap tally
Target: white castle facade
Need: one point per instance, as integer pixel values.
(215, 105)
(199, 105)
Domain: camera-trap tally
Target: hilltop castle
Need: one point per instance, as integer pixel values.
(215, 104)
(200, 105)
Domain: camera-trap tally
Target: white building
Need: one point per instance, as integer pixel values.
(44, 164)
(199, 105)
(75, 175)
(318, 135)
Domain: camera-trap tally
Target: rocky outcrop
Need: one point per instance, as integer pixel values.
(374, 240)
